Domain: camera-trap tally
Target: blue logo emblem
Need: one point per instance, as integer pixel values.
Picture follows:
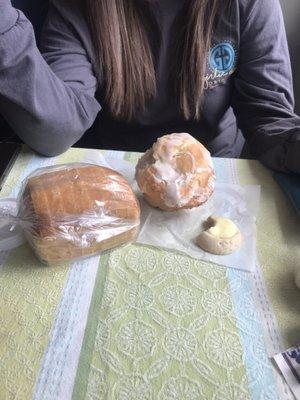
(222, 57)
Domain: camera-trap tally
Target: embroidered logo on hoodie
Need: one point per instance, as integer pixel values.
(221, 62)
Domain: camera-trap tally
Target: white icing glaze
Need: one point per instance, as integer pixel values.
(202, 194)
(165, 171)
(175, 180)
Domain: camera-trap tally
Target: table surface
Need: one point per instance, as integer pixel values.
(148, 323)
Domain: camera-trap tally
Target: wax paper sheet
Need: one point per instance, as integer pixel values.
(179, 230)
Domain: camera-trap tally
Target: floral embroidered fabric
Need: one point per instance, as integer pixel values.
(167, 328)
(145, 323)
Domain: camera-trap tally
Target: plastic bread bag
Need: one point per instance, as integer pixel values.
(73, 211)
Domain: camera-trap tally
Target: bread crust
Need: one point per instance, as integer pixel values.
(79, 210)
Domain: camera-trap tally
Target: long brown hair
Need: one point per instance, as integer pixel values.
(125, 60)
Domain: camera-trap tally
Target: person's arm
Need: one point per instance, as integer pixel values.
(48, 101)
(263, 91)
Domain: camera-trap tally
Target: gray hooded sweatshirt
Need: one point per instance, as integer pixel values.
(52, 99)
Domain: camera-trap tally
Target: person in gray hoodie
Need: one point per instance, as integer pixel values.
(118, 74)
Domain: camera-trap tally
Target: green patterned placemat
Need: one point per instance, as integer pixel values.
(278, 245)
(160, 325)
(164, 328)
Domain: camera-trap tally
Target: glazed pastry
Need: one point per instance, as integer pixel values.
(176, 173)
(75, 211)
(221, 238)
